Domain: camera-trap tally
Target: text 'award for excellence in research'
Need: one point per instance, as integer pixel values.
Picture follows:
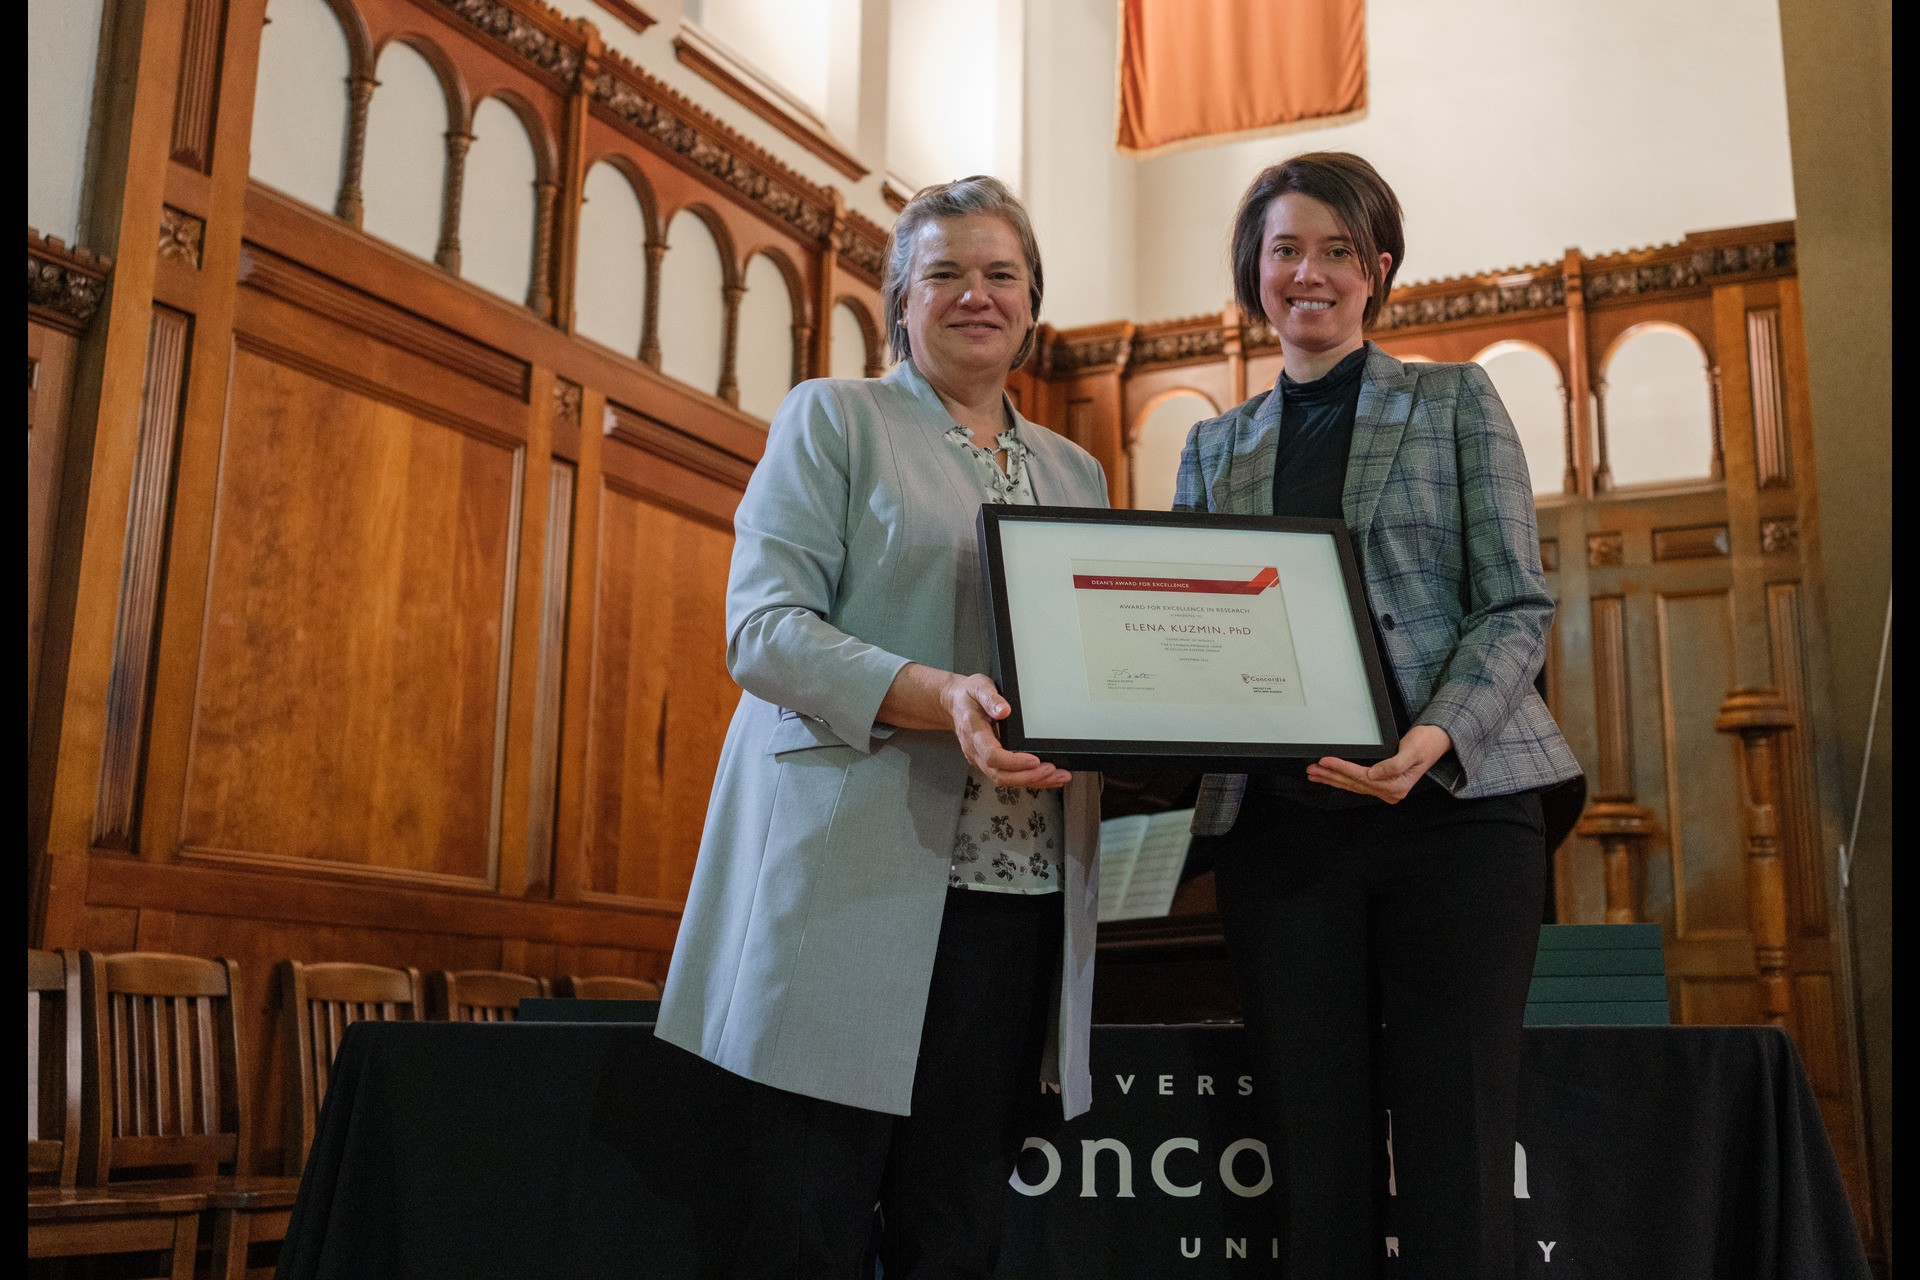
(1220, 641)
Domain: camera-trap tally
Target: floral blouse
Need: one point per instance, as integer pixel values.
(1009, 839)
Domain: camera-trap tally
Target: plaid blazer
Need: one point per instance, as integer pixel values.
(1438, 495)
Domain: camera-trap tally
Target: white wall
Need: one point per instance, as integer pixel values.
(405, 173)
(789, 41)
(63, 42)
(1079, 190)
(764, 356)
(693, 315)
(849, 344)
(956, 94)
(610, 276)
(1510, 130)
(498, 204)
(300, 103)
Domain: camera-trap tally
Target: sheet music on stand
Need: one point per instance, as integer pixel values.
(1141, 857)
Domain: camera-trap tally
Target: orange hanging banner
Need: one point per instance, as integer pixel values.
(1196, 71)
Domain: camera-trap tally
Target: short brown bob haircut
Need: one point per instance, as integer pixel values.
(1359, 197)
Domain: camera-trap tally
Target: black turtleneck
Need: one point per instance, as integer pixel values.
(1316, 434)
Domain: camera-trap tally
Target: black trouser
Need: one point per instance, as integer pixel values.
(1425, 914)
(940, 1174)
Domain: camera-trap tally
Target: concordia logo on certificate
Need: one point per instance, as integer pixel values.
(1205, 635)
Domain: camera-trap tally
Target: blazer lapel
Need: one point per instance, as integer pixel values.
(1248, 490)
(1379, 421)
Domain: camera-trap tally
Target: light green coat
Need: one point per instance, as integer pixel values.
(807, 946)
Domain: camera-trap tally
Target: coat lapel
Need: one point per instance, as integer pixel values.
(1379, 421)
(1256, 448)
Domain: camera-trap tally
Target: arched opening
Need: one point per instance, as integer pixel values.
(1160, 433)
(300, 102)
(765, 350)
(1657, 406)
(1529, 384)
(610, 278)
(851, 358)
(406, 166)
(693, 317)
(497, 203)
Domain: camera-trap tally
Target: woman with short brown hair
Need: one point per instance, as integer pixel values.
(1408, 890)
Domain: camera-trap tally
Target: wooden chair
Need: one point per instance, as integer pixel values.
(480, 995)
(165, 1105)
(317, 1004)
(63, 1220)
(606, 987)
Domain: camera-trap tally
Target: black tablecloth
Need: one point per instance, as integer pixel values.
(578, 1150)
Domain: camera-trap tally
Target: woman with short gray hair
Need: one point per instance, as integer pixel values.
(891, 924)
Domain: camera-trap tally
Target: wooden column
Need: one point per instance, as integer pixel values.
(1580, 461)
(448, 252)
(730, 353)
(826, 284)
(1623, 829)
(650, 305)
(1759, 716)
(360, 87)
(540, 288)
(573, 180)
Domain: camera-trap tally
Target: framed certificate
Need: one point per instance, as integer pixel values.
(1224, 642)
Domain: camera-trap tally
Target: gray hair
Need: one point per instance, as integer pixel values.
(978, 194)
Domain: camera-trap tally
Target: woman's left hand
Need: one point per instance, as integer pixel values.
(1392, 778)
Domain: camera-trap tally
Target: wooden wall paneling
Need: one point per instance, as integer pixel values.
(1694, 630)
(556, 582)
(570, 866)
(661, 695)
(217, 192)
(199, 84)
(129, 682)
(1582, 459)
(139, 63)
(50, 357)
(519, 862)
(573, 176)
(1752, 664)
(1773, 448)
(360, 612)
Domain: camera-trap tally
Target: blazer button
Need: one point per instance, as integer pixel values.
(1386, 621)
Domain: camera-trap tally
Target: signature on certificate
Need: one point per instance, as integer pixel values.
(1125, 673)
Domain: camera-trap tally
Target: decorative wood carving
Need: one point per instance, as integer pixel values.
(1772, 449)
(863, 248)
(540, 288)
(1645, 271)
(1069, 353)
(181, 236)
(447, 253)
(199, 84)
(270, 273)
(352, 205)
(538, 35)
(1692, 543)
(1779, 535)
(650, 307)
(730, 346)
(566, 405)
(1623, 830)
(65, 286)
(706, 65)
(663, 441)
(1759, 717)
(658, 116)
(555, 578)
(1605, 550)
(1538, 288)
(1198, 338)
(133, 636)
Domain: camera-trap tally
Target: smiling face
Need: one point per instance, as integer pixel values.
(968, 303)
(1313, 285)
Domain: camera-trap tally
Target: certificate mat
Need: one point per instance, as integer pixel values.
(1181, 636)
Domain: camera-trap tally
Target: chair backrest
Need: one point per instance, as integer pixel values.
(317, 1004)
(606, 987)
(163, 1065)
(482, 995)
(53, 1067)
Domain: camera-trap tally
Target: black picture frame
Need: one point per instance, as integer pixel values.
(1230, 757)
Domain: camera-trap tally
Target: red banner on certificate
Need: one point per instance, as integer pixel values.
(1210, 586)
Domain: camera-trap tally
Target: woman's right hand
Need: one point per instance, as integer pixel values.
(974, 706)
(923, 697)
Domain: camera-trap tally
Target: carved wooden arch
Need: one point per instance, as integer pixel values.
(790, 272)
(730, 271)
(452, 84)
(546, 161)
(876, 354)
(656, 227)
(1132, 429)
(1708, 368)
(353, 26)
(1501, 344)
(1569, 482)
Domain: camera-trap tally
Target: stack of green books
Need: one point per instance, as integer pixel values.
(1598, 975)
